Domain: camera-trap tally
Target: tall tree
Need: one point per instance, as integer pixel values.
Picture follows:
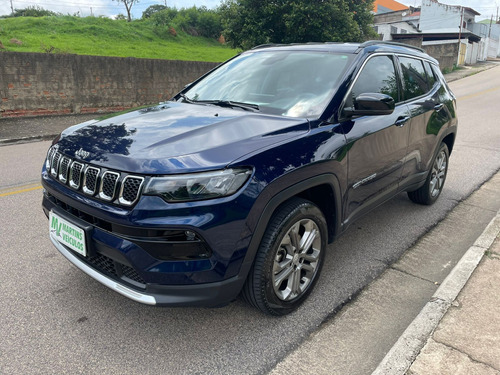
(128, 5)
(251, 22)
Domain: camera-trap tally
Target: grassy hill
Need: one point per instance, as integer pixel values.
(105, 37)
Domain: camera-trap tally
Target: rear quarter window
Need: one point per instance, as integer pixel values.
(431, 79)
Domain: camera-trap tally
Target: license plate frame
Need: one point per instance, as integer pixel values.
(67, 233)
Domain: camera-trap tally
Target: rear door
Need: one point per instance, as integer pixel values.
(423, 93)
(377, 144)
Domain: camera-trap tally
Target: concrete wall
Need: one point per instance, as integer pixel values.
(42, 84)
(434, 15)
(386, 29)
(446, 53)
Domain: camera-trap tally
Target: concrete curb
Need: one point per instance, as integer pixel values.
(401, 356)
(12, 141)
(455, 77)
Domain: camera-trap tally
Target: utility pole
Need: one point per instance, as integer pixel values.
(12, 7)
(491, 21)
(91, 14)
(460, 35)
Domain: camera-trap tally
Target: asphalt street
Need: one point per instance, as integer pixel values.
(55, 319)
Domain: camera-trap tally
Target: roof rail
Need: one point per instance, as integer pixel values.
(268, 45)
(373, 42)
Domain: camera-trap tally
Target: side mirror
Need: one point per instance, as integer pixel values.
(371, 104)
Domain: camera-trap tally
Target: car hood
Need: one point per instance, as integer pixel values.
(176, 138)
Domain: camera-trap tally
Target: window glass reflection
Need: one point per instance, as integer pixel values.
(377, 76)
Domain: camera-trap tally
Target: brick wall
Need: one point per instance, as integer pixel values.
(43, 84)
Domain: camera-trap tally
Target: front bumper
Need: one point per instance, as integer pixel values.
(122, 263)
(210, 294)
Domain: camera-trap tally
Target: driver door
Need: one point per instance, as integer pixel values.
(377, 144)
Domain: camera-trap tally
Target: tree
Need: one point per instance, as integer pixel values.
(152, 9)
(251, 22)
(128, 6)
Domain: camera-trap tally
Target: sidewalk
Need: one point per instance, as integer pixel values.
(457, 331)
(30, 129)
(467, 341)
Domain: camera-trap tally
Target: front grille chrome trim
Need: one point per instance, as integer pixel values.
(76, 168)
(50, 155)
(102, 194)
(85, 187)
(124, 201)
(54, 164)
(64, 171)
(99, 183)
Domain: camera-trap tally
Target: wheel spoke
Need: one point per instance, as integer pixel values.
(439, 161)
(311, 257)
(307, 240)
(308, 268)
(433, 185)
(295, 283)
(280, 266)
(294, 236)
(282, 276)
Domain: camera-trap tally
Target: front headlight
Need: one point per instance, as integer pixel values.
(198, 186)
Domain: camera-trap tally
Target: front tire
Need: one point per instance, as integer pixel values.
(289, 259)
(431, 190)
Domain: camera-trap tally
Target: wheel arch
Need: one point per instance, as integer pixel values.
(449, 140)
(311, 189)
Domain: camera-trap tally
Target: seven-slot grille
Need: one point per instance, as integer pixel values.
(106, 185)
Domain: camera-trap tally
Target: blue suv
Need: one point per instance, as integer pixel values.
(240, 182)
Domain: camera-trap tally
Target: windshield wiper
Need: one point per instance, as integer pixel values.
(186, 99)
(229, 103)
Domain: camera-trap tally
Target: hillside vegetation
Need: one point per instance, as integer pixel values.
(105, 37)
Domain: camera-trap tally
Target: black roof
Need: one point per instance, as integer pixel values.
(355, 48)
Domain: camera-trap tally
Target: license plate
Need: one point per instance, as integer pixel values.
(67, 233)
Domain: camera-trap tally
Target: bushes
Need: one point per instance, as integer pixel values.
(33, 11)
(193, 21)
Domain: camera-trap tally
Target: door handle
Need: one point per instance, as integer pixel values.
(401, 121)
(438, 107)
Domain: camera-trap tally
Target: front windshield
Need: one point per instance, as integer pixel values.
(288, 83)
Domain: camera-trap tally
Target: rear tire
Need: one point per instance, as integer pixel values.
(289, 259)
(431, 190)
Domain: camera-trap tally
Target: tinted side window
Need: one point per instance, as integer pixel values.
(377, 76)
(430, 75)
(414, 77)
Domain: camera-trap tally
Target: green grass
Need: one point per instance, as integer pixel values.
(106, 37)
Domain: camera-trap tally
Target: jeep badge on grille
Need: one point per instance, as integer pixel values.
(81, 153)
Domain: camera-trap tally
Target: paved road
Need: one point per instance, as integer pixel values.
(55, 319)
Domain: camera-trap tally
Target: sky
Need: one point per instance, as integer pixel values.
(99, 7)
(110, 7)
